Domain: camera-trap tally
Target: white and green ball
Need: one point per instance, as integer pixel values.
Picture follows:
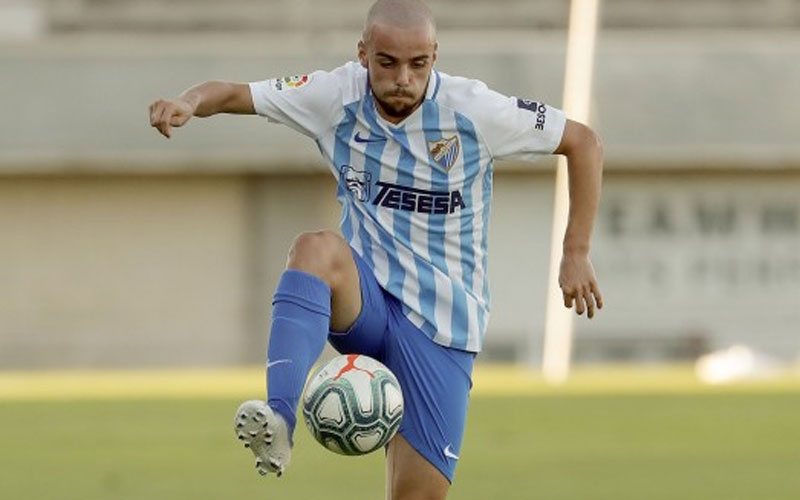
(353, 405)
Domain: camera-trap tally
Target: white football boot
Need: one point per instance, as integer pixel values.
(266, 434)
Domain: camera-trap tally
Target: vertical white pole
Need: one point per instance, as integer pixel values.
(577, 97)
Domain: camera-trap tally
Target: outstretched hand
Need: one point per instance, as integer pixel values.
(166, 113)
(579, 285)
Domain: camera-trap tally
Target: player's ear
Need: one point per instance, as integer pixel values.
(435, 51)
(362, 53)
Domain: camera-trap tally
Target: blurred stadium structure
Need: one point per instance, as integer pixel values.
(119, 248)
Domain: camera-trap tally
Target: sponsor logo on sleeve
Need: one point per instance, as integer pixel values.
(291, 82)
(445, 151)
(534, 107)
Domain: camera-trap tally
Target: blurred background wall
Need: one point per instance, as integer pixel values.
(120, 248)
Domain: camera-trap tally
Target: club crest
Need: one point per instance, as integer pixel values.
(445, 151)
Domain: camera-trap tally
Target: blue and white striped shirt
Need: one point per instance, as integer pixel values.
(416, 196)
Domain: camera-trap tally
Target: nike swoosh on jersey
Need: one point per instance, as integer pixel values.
(277, 362)
(449, 453)
(358, 138)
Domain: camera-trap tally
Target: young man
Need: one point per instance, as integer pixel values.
(413, 150)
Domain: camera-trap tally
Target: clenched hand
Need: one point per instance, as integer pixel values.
(166, 113)
(579, 285)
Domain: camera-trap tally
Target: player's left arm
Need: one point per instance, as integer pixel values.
(584, 152)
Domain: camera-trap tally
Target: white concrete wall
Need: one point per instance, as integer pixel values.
(715, 256)
(662, 99)
(121, 271)
(239, 16)
(133, 271)
(147, 270)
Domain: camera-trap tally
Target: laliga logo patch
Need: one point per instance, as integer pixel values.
(291, 82)
(357, 182)
(445, 151)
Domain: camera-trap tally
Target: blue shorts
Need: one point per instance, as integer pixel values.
(436, 380)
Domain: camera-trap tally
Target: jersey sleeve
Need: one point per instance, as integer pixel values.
(513, 127)
(307, 103)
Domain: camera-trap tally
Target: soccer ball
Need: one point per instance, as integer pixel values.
(353, 405)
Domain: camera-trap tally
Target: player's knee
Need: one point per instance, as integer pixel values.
(319, 253)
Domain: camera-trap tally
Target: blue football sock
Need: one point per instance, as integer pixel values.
(300, 321)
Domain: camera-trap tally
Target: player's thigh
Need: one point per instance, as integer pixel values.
(366, 333)
(409, 476)
(436, 381)
(346, 302)
(327, 255)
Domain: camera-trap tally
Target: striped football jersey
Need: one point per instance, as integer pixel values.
(416, 196)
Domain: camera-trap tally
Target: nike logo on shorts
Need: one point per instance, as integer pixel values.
(449, 453)
(358, 138)
(277, 362)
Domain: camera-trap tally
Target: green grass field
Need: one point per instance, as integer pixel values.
(685, 443)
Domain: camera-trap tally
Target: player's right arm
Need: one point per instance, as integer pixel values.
(205, 99)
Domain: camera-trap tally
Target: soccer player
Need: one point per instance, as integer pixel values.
(406, 281)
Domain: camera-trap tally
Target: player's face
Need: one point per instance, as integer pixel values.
(399, 61)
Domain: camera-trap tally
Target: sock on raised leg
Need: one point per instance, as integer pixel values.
(300, 321)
